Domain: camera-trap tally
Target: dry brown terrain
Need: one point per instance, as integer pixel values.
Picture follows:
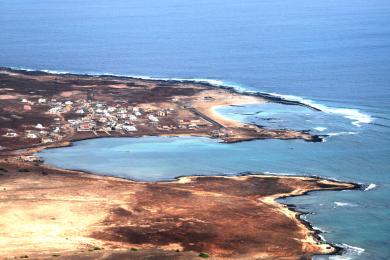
(38, 108)
(50, 213)
(46, 212)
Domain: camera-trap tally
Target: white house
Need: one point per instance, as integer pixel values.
(152, 118)
(10, 134)
(111, 109)
(54, 110)
(31, 135)
(129, 128)
(132, 117)
(47, 140)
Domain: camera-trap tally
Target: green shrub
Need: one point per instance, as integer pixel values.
(203, 255)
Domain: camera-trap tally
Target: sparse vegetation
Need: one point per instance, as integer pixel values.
(134, 249)
(24, 256)
(2, 169)
(203, 255)
(23, 170)
(55, 255)
(97, 248)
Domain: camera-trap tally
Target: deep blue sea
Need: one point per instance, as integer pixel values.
(334, 55)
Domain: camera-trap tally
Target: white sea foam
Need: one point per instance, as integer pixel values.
(350, 253)
(320, 128)
(319, 229)
(342, 133)
(370, 187)
(280, 173)
(358, 118)
(343, 204)
(354, 249)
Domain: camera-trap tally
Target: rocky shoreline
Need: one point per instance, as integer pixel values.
(101, 216)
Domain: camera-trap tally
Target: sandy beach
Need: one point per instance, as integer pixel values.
(48, 212)
(75, 215)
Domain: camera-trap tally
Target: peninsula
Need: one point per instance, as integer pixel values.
(48, 212)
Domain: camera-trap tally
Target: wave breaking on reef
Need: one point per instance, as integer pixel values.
(371, 186)
(357, 117)
(349, 252)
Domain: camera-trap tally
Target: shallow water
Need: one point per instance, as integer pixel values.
(333, 53)
(164, 158)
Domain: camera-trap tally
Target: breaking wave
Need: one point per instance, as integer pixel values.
(320, 128)
(341, 133)
(343, 204)
(371, 186)
(350, 252)
(358, 118)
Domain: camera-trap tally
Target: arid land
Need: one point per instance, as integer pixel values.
(55, 213)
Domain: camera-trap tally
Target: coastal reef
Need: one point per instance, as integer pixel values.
(50, 213)
(43, 109)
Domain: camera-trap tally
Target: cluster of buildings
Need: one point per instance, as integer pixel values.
(42, 133)
(84, 115)
(99, 116)
(46, 134)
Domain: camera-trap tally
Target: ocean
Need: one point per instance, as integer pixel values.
(334, 55)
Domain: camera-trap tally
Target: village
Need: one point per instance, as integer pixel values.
(42, 110)
(76, 117)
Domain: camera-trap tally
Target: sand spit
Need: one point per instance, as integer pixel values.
(46, 212)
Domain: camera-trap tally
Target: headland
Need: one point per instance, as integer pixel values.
(48, 212)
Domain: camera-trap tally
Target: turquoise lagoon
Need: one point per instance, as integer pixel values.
(333, 54)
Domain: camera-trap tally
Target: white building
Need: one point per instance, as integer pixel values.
(47, 140)
(152, 118)
(10, 134)
(132, 117)
(31, 135)
(129, 128)
(102, 120)
(54, 110)
(111, 109)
